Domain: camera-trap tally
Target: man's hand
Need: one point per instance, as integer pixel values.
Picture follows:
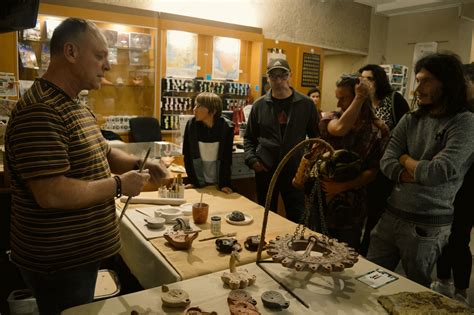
(157, 171)
(133, 182)
(362, 89)
(405, 177)
(259, 167)
(409, 164)
(403, 158)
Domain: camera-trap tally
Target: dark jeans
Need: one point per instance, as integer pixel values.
(292, 197)
(456, 255)
(57, 291)
(349, 236)
(378, 192)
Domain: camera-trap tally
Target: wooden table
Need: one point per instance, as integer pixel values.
(338, 293)
(154, 262)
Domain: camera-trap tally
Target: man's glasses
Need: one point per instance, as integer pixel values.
(276, 76)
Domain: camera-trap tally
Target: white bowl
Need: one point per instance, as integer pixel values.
(187, 209)
(155, 223)
(169, 214)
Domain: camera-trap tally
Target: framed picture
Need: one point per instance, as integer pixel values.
(123, 40)
(140, 40)
(27, 56)
(111, 37)
(181, 54)
(226, 58)
(33, 33)
(7, 84)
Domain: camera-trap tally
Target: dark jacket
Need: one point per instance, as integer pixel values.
(222, 131)
(399, 106)
(263, 140)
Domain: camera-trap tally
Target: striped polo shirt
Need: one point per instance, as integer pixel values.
(50, 134)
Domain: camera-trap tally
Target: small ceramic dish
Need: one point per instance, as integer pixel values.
(248, 220)
(169, 214)
(187, 209)
(155, 223)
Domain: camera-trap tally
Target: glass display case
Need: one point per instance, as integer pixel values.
(128, 89)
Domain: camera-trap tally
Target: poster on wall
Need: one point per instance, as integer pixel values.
(310, 70)
(226, 58)
(181, 54)
(420, 50)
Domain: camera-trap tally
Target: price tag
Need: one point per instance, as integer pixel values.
(377, 278)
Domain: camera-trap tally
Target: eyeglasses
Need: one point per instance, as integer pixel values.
(282, 76)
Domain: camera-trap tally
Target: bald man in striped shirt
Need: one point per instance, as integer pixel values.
(63, 219)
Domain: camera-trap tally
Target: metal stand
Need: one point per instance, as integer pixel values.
(267, 209)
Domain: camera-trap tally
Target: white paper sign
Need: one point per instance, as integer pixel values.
(377, 278)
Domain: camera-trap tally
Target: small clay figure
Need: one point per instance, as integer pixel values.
(237, 279)
(174, 297)
(237, 216)
(252, 242)
(241, 303)
(274, 300)
(227, 245)
(181, 239)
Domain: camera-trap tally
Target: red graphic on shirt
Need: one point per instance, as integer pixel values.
(282, 118)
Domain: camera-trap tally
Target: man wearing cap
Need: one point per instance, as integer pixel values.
(279, 120)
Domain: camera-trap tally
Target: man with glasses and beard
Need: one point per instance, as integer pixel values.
(278, 121)
(429, 153)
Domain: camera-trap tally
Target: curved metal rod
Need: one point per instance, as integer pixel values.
(271, 187)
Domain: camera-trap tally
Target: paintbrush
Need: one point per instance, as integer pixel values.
(139, 171)
(218, 236)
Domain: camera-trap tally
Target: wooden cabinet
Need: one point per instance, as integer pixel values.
(127, 89)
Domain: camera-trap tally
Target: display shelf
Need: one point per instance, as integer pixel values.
(129, 85)
(178, 96)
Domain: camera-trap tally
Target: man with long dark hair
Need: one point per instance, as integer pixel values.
(429, 153)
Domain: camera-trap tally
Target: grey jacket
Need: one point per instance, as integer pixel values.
(444, 148)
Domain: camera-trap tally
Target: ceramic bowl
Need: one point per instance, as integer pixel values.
(187, 209)
(169, 214)
(155, 223)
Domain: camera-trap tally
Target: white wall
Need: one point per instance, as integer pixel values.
(444, 26)
(335, 24)
(342, 25)
(334, 66)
